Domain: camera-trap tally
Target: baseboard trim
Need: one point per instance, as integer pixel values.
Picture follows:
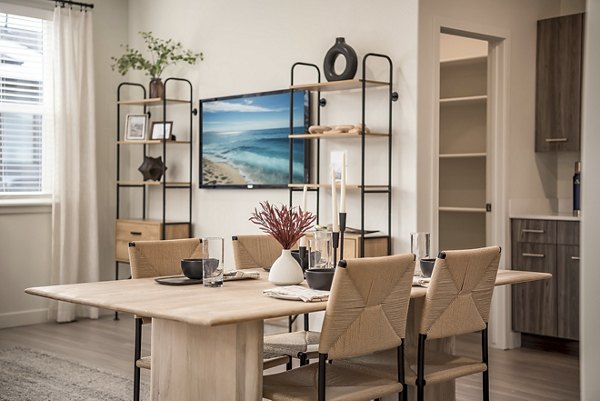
(543, 343)
(23, 318)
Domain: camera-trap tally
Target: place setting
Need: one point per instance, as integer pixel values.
(208, 270)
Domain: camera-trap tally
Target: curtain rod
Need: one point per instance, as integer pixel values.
(73, 3)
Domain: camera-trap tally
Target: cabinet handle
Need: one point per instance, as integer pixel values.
(549, 140)
(532, 231)
(135, 233)
(575, 258)
(534, 255)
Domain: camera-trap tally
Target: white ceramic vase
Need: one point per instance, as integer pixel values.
(285, 270)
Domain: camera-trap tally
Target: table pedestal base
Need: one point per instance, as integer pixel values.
(191, 362)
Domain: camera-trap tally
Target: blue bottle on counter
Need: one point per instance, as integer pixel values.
(577, 190)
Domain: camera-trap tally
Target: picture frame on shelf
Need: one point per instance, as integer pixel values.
(135, 127)
(161, 130)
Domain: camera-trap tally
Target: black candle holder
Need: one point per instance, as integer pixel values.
(335, 241)
(303, 255)
(342, 230)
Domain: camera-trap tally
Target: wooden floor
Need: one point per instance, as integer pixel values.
(519, 374)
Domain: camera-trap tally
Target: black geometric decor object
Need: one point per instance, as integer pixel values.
(152, 168)
(340, 49)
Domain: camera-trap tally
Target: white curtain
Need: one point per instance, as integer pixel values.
(74, 207)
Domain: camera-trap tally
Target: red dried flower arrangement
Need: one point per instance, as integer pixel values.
(286, 224)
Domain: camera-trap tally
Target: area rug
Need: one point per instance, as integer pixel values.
(30, 375)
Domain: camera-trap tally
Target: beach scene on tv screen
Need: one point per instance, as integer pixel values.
(245, 140)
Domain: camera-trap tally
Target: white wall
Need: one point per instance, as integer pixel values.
(590, 227)
(25, 231)
(250, 47)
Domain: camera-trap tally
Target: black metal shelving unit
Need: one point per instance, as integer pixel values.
(363, 84)
(147, 104)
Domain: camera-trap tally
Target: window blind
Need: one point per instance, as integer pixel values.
(23, 103)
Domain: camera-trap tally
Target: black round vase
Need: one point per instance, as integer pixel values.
(340, 48)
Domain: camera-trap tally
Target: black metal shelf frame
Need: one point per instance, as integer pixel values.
(392, 97)
(165, 186)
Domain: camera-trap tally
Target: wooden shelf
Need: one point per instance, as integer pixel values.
(338, 85)
(348, 186)
(460, 61)
(464, 99)
(155, 183)
(462, 209)
(462, 155)
(151, 101)
(335, 136)
(152, 142)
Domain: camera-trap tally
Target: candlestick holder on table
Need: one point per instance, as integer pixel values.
(335, 242)
(342, 230)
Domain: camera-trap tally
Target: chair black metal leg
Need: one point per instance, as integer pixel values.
(306, 323)
(137, 355)
(288, 365)
(401, 376)
(116, 278)
(322, 365)
(421, 368)
(484, 359)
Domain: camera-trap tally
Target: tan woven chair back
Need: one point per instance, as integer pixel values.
(367, 306)
(460, 293)
(161, 258)
(255, 251)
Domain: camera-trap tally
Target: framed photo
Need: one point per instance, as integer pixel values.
(135, 127)
(161, 130)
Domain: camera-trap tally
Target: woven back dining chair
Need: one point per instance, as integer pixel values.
(149, 259)
(366, 313)
(255, 251)
(457, 302)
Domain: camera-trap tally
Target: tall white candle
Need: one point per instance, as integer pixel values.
(334, 207)
(343, 189)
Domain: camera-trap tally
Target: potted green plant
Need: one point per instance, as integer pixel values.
(162, 53)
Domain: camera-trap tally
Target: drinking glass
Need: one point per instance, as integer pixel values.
(419, 245)
(212, 262)
(321, 252)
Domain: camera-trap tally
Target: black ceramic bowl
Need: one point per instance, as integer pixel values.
(320, 279)
(427, 266)
(192, 268)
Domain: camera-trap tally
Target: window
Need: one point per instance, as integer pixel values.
(25, 106)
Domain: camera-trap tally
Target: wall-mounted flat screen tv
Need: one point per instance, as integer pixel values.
(244, 140)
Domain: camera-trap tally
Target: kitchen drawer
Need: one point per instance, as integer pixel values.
(567, 232)
(534, 231)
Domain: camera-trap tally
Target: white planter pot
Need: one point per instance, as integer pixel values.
(285, 270)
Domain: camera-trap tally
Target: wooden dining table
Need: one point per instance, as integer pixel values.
(207, 343)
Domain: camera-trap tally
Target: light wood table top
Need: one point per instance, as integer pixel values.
(236, 301)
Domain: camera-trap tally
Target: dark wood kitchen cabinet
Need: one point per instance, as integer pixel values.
(550, 307)
(558, 83)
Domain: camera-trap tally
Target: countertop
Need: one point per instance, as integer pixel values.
(551, 216)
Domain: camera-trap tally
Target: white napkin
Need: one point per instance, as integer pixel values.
(419, 281)
(241, 275)
(297, 293)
